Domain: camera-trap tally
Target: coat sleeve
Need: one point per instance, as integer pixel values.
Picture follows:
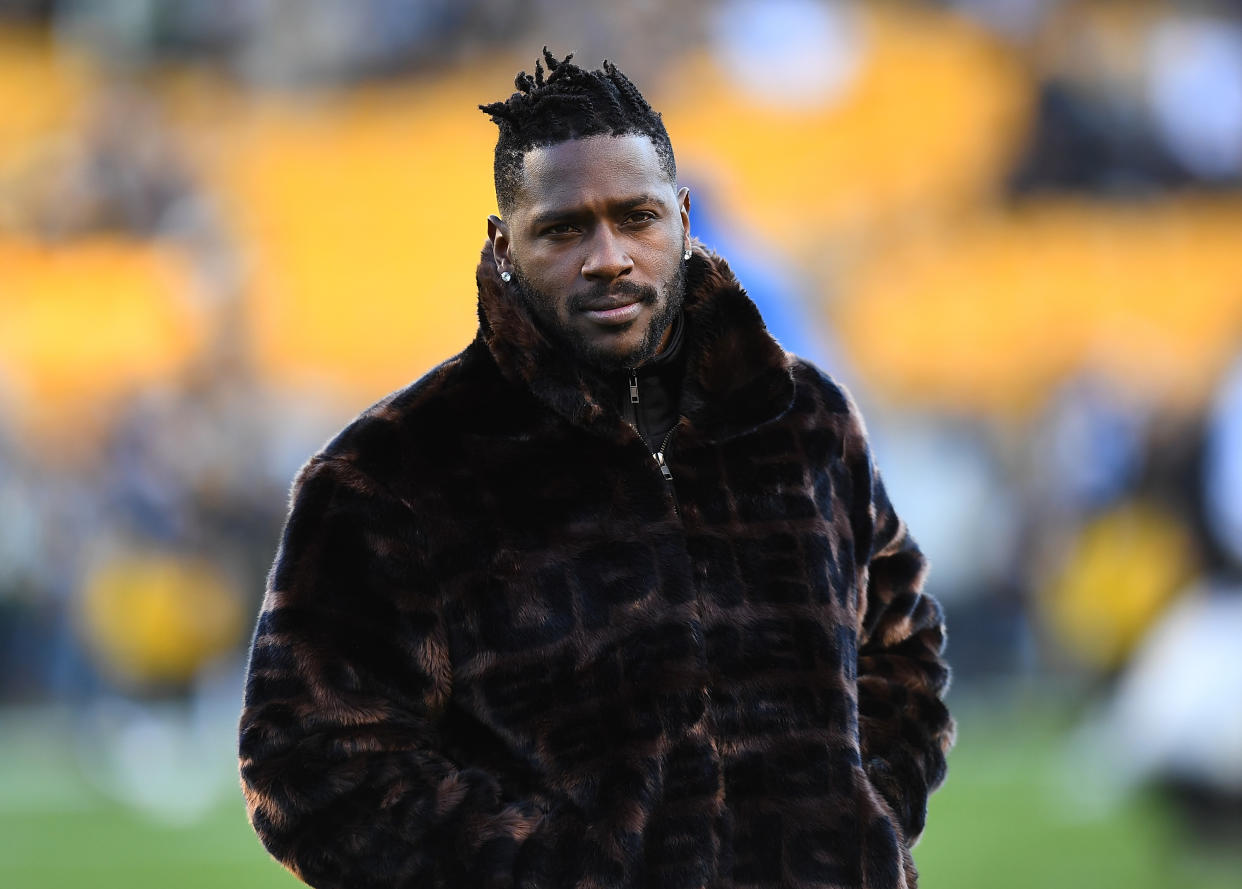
(341, 760)
(904, 727)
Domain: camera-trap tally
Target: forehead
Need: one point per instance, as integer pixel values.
(580, 171)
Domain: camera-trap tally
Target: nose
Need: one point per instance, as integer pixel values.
(606, 258)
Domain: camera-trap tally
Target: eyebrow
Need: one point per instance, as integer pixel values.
(570, 214)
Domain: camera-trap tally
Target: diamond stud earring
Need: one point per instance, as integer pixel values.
(505, 276)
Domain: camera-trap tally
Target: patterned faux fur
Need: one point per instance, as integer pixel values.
(499, 650)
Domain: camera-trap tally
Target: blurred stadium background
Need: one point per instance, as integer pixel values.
(1013, 227)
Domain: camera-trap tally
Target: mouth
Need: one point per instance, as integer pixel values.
(614, 312)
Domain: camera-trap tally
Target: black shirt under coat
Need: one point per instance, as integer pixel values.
(659, 390)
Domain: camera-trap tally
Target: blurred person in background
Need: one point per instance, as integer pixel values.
(1136, 98)
(615, 596)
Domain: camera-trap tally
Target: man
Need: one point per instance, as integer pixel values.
(614, 597)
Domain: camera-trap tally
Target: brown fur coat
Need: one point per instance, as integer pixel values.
(498, 649)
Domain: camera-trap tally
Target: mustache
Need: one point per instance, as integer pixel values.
(604, 290)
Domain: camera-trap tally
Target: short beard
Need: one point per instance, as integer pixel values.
(541, 307)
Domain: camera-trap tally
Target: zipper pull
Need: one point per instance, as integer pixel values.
(664, 470)
(633, 387)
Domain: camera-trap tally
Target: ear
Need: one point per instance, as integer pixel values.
(683, 204)
(498, 234)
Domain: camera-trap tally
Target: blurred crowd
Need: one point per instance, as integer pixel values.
(1009, 225)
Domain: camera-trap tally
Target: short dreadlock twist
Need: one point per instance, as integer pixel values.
(569, 103)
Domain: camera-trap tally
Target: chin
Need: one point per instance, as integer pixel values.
(609, 359)
(626, 347)
(610, 362)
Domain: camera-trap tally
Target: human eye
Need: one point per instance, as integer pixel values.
(640, 217)
(559, 229)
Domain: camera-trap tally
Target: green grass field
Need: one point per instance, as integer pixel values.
(1002, 820)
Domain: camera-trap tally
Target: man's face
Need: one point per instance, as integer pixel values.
(595, 244)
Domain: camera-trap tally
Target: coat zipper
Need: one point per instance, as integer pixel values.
(657, 455)
(665, 471)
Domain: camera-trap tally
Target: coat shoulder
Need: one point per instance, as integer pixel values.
(829, 399)
(418, 419)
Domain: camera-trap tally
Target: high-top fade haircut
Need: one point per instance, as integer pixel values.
(569, 103)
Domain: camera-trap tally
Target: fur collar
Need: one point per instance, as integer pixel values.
(737, 375)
